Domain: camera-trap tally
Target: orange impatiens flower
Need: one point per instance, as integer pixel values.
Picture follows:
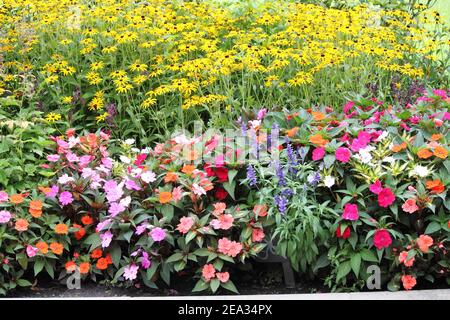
(70, 266)
(42, 246)
(424, 153)
(188, 169)
(84, 267)
(291, 132)
(440, 152)
(170, 177)
(80, 233)
(61, 228)
(21, 225)
(16, 198)
(399, 147)
(102, 264)
(86, 220)
(436, 137)
(318, 140)
(165, 197)
(57, 248)
(96, 253)
(35, 208)
(435, 186)
(317, 115)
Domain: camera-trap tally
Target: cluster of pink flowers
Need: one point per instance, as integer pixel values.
(209, 272)
(228, 247)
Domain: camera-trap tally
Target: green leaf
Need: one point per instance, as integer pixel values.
(191, 235)
(116, 254)
(93, 240)
(368, 255)
(23, 283)
(343, 270)
(230, 286)
(355, 263)
(215, 284)
(175, 257)
(23, 260)
(229, 187)
(200, 286)
(433, 227)
(38, 265)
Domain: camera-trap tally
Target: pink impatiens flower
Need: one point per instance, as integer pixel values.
(386, 197)
(376, 187)
(177, 193)
(350, 212)
(343, 154)
(5, 216)
(158, 234)
(402, 258)
(228, 247)
(65, 198)
(223, 276)
(3, 196)
(318, 154)
(130, 272)
(198, 190)
(53, 157)
(106, 239)
(382, 239)
(410, 206)
(257, 235)
(219, 208)
(185, 224)
(31, 251)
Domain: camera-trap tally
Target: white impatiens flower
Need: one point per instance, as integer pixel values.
(125, 159)
(382, 136)
(148, 176)
(129, 141)
(364, 154)
(420, 171)
(329, 181)
(389, 160)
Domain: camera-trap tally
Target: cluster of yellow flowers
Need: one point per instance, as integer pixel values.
(134, 52)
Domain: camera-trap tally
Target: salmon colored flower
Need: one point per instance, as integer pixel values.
(435, 186)
(408, 282)
(440, 152)
(436, 137)
(424, 153)
(223, 276)
(16, 198)
(42, 246)
(84, 267)
(291, 132)
(317, 115)
(402, 259)
(257, 235)
(208, 272)
(219, 208)
(260, 210)
(21, 225)
(61, 228)
(188, 169)
(424, 242)
(410, 206)
(57, 248)
(399, 147)
(185, 224)
(318, 140)
(165, 197)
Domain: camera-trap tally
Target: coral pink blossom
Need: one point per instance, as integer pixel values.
(230, 248)
(376, 187)
(424, 242)
(208, 272)
(402, 259)
(185, 224)
(343, 154)
(219, 208)
(382, 239)
(350, 212)
(410, 206)
(318, 154)
(257, 235)
(386, 197)
(223, 276)
(408, 282)
(177, 193)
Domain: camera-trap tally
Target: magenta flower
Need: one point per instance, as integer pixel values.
(382, 239)
(158, 234)
(376, 187)
(65, 198)
(115, 209)
(131, 185)
(386, 197)
(53, 157)
(350, 212)
(145, 261)
(343, 154)
(318, 154)
(53, 192)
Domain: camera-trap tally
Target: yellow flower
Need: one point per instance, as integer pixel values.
(52, 117)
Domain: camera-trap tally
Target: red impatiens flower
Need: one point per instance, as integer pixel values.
(345, 234)
(386, 197)
(382, 239)
(220, 194)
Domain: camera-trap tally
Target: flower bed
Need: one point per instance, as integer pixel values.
(340, 192)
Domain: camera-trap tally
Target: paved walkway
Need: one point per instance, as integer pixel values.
(438, 294)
